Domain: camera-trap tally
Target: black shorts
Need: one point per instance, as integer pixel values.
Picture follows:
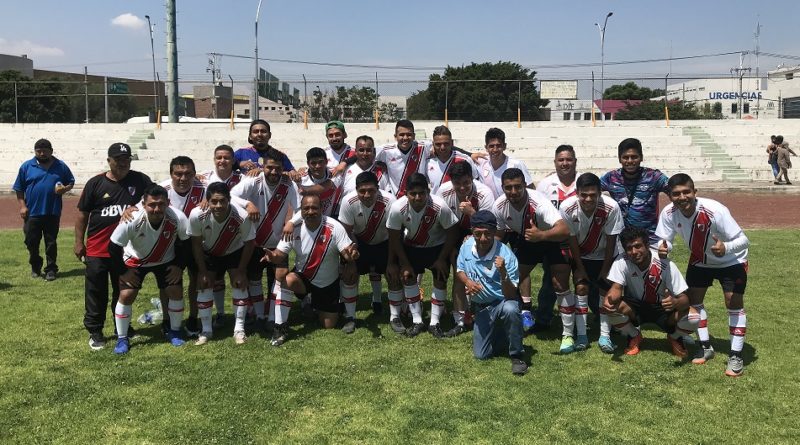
(323, 299)
(220, 264)
(422, 258)
(593, 272)
(649, 313)
(532, 254)
(160, 273)
(731, 278)
(372, 257)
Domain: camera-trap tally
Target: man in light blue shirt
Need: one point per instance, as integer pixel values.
(490, 274)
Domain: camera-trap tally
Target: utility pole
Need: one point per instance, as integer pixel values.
(86, 92)
(758, 79)
(213, 68)
(172, 63)
(740, 73)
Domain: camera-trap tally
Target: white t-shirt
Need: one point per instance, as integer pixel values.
(144, 246)
(593, 230)
(335, 158)
(438, 171)
(369, 223)
(710, 217)
(542, 211)
(272, 201)
(481, 199)
(329, 198)
(317, 252)
(649, 285)
(491, 177)
(222, 238)
(349, 183)
(426, 228)
(401, 165)
(187, 202)
(554, 190)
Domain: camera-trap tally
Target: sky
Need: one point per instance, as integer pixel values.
(111, 37)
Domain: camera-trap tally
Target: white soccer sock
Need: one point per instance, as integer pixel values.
(686, 325)
(240, 300)
(122, 318)
(581, 311)
(622, 324)
(395, 303)
(702, 328)
(256, 293)
(737, 321)
(566, 307)
(175, 308)
(375, 281)
(350, 298)
(284, 305)
(413, 299)
(276, 292)
(437, 305)
(204, 302)
(605, 326)
(458, 317)
(219, 296)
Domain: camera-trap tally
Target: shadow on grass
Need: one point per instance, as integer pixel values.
(72, 273)
(5, 286)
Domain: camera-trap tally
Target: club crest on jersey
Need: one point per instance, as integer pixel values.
(322, 239)
(193, 199)
(701, 227)
(166, 234)
(132, 190)
(427, 219)
(652, 279)
(598, 220)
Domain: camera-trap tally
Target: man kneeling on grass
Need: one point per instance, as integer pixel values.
(490, 275)
(152, 241)
(648, 289)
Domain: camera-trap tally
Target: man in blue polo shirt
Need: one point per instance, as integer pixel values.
(490, 274)
(40, 184)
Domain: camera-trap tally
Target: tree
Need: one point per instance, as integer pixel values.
(36, 101)
(479, 92)
(654, 110)
(630, 91)
(354, 104)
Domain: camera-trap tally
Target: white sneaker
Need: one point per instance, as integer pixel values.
(203, 338)
(239, 338)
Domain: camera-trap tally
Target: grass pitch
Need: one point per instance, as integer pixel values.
(377, 387)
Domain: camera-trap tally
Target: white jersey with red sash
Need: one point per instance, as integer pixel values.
(647, 285)
(537, 208)
(480, 198)
(709, 218)
(368, 223)
(491, 177)
(329, 198)
(592, 231)
(185, 203)
(221, 238)
(273, 202)
(145, 246)
(554, 190)
(438, 171)
(335, 158)
(349, 182)
(317, 252)
(426, 228)
(211, 177)
(401, 165)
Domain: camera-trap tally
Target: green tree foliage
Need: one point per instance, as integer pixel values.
(479, 92)
(354, 104)
(654, 110)
(36, 101)
(631, 91)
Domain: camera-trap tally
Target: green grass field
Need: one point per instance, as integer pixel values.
(377, 387)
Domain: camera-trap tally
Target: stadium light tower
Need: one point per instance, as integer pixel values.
(602, 62)
(254, 102)
(153, 53)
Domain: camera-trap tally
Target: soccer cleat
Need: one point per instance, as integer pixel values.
(219, 321)
(606, 345)
(415, 329)
(349, 325)
(192, 329)
(123, 346)
(35, 274)
(678, 349)
(527, 321)
(633, 344)
(567, 345)
(582, 343)
(436, 330)
(377, 308)
(518, 366)
(735, 366)
(397, 325)
(50, 276)
(239, 338)
(279, 335)
(455, 332)
(96, 341)
(174, 337)
(702, 355)
(203, 338)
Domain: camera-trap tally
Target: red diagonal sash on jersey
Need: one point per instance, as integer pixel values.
(165, 239)
(465, 223)
(528, 215)
(318, 251)
(373, 222)
(412, 165)
(424, 228)
(233, 180)
(701, 229)
(598, 221)
(226, 235)
(651, 282)
(194, 198)
(273, 208)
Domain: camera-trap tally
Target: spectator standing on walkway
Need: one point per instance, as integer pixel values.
(783, 160)
(772, 157)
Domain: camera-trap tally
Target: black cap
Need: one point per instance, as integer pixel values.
(42, 144)
(483, 219)
(118, 149)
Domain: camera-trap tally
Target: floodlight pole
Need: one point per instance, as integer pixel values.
(153, 54)
(254, 102)
(602, 63)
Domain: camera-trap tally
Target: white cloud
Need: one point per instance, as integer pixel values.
(18, 47)
(128, 21)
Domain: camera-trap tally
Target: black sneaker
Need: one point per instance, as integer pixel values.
(97, 341)
(35, 274)
(436, 330)
(377, 308)
(455, 332)
(191, 327)
(349, 325)
(415, 329)
(279, 335)
(50, 276)
(397, 325)
(268, 326)
(518, 366)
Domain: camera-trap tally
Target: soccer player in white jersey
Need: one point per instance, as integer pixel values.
(337, 150)
(363, 215)
(491, 170)
(365, 161)
(317, 180)
(464, 196)
(319, 244)
(717, 251)
(594, 222)
(405, 157)
(152, 242)
(276, 197)
(423, 232)
(538, 228)
(648, 289)
(222, 240)
(438, 166)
